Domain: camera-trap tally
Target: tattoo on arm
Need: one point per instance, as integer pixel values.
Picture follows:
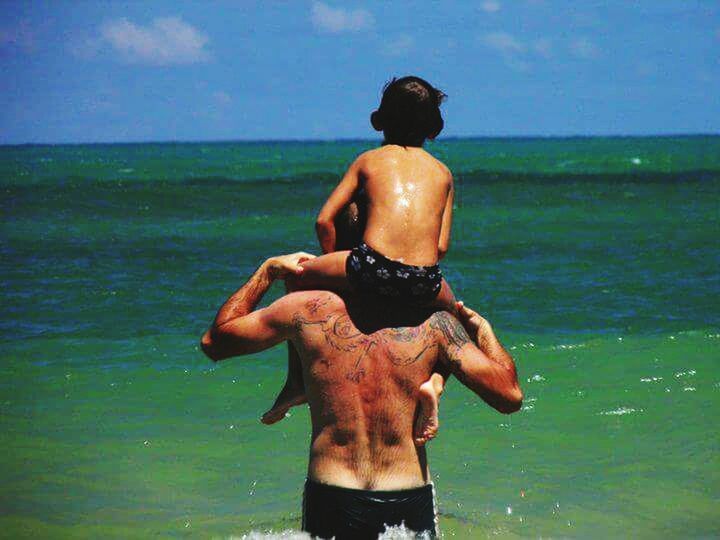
(451, 329)
(455, 337)
(245, 299)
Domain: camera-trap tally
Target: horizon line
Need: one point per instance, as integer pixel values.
(361, 139)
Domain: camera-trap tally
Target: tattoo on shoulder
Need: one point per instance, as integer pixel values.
(316, 303)
(456, 337)
(450, 328)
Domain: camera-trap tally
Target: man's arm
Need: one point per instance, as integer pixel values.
(237, 328)
(484, 366)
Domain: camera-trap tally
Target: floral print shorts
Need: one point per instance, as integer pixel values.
(369, 271)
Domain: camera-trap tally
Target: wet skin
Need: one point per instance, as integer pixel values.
(363, 367)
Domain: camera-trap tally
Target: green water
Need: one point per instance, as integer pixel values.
(597, 260)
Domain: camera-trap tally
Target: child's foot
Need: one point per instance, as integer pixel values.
(288, 397)
(427, 422)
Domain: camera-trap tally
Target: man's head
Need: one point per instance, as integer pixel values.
(409, 112)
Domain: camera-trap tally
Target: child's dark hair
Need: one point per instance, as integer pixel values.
(409, 112)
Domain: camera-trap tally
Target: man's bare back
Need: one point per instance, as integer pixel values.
(362, 366)
(363, 374)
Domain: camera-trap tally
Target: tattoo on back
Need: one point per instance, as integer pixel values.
(341, 334)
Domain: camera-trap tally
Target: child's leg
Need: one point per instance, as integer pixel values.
(326, 272)
(428, 421)
(292, 393)
(446, 299)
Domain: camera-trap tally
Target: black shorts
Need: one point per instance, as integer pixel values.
(370, 271)
(350, 514)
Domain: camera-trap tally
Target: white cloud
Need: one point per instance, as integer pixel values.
(337, 20)
(503, 42)
(222, 98)
(516, 53)
(543, 47)
(167, 40)
(520, 54)
(399, 46)
(490, 6)
(510, 48)
(584, 48)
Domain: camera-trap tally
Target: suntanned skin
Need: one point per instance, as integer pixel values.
(409, 213)
(409, 196)
(362, 366)
(409, 208)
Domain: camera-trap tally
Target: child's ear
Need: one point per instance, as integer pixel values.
(436, 127)
(376, 121)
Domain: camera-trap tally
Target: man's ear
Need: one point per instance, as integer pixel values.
(376, 121)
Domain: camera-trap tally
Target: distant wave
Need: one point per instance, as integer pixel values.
(643, 177)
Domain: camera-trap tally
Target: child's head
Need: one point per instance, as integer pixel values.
(409, 112)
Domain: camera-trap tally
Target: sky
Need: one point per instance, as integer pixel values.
(167, 70)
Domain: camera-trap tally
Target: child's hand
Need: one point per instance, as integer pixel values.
(284, 265)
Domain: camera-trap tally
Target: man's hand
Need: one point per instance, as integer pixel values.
(475, 324)
(284, 265)
(238, 327)
(486, 367)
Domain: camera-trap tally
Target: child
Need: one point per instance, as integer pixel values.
(409, 197)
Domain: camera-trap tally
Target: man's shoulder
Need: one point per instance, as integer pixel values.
(313, 301)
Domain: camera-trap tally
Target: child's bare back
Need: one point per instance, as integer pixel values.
(408, 194)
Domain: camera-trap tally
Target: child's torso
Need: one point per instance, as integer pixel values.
(406, 190)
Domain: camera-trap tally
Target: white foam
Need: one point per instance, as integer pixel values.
(271, 535)
(621, 411)
(568, 347)
(399, 532)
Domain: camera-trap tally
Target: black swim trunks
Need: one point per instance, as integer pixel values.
(357, 514)
(370, 271)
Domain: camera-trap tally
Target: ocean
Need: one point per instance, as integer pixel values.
(597, 260)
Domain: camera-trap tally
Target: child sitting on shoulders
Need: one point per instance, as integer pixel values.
(409, 201)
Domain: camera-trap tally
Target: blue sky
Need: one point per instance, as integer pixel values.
(168, 70)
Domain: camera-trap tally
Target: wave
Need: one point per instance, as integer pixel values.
(325, 178)
(547, 178)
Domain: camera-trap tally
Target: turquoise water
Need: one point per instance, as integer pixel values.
(597, 261)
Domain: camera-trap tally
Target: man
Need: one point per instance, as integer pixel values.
(363, 362)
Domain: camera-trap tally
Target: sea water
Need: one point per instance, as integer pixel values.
(596, 260)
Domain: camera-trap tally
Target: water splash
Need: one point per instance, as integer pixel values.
(621, 411)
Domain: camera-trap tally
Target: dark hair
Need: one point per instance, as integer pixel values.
(409, 112)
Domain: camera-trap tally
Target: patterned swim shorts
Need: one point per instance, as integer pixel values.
(369, 271)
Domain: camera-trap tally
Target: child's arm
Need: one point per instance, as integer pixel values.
(444, 240)
(339, 199)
